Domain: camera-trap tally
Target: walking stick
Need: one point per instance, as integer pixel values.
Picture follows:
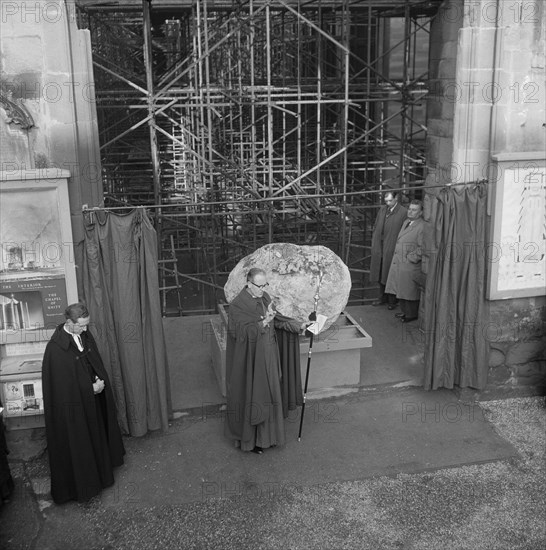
(312, 317)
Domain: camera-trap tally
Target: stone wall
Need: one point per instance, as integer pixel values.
(46, 69)
(441, 101)
(510, 93)
(501, 97)
(443, 93)
(493, 87)
(516, 334)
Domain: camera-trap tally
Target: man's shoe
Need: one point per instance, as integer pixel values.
(378, 303)
(390, 307)
(400, 315)
(408, 319)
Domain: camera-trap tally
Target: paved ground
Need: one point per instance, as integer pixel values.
(395, 357)
(400, 469)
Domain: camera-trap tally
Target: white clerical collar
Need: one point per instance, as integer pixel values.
(77, 338)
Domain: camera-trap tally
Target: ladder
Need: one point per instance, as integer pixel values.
(167, 271)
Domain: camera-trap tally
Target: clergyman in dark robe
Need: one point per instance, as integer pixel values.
(84, 441)
(254, 375)
(388, 223)
(6, 481)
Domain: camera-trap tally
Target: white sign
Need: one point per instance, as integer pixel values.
(517, 249)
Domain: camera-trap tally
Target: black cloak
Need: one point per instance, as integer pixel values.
(84, 441)
(6, 481)
(260, 389)
(289, 353)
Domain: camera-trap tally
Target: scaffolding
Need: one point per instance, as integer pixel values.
(250, 122)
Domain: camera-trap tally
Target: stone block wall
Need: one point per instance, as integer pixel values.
(500, 81)
(46, 67)
(517, 339)
(517, 100)
(487, 71)
(441, 102)
(443, 93)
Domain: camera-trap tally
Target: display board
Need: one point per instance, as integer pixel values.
(516, 252)
(37, 270)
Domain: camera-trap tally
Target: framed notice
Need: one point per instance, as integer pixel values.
(516, 253)
(23, 397)
(37, 270)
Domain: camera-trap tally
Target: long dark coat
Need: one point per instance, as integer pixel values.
(6, 481)
(255, 407)
(385, 232)
(84, 442)
(405, 271)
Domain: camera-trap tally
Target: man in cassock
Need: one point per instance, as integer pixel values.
(83, 437)
(6, 481)
(255, 383)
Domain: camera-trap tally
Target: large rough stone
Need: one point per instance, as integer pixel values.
(524, 352)
(531, 374)
(499, 376)
(293, 274)
(496, 358)
(517, 320)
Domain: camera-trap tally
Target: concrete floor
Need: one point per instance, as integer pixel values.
(394, 360)
(372, 468)
(349, 438)
(398, 469)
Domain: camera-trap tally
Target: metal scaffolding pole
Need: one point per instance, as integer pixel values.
(154, 150)
(317, 105)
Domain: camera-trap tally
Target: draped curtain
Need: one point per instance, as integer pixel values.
(121, 291)
(456, 346)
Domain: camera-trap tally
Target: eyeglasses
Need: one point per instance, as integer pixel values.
(260, 286)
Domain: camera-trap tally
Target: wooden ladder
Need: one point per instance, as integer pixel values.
(166, 272)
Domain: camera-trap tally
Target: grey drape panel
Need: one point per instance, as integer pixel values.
(121, 290)
(456, 346)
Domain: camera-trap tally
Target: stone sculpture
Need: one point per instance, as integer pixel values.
(294, 274)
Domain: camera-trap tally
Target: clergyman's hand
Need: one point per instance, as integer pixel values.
(268, 318)
(269, 314)
(98, 385)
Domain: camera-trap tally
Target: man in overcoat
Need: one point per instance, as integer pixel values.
(387, 225)
(405, 272)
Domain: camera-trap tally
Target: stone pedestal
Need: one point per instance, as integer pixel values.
(218, 352)
(335, 358)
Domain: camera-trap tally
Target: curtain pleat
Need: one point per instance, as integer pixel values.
(456, 346)
(121, 290)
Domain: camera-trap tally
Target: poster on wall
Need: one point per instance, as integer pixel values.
(23, 397)
(517, 249)
(37, 275)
